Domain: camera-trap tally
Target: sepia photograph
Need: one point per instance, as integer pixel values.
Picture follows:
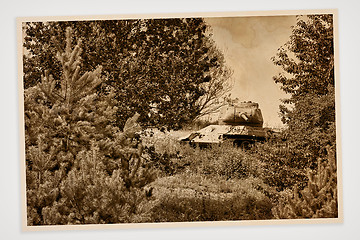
(210, 118)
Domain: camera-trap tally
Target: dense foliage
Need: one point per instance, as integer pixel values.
(234, 201)
(80, 168)
(214, 184)
(307, 60)
(309, 150)
(308, 57)
(89, 160)
(318, 199)
(167, 70)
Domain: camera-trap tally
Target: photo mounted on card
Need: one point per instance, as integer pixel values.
(167, 120)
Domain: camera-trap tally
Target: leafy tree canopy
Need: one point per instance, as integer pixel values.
(307, 60)
(168, 70)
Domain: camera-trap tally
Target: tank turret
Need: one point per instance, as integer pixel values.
(244, 113)
(240, 123)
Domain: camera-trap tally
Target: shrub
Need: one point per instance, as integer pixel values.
(91, 196)
(280, 167)
(224, 160)
(195, 198)
(162, 151)
(319, 198)
(181, 209)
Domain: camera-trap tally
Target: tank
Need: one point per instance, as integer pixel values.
(239, 123)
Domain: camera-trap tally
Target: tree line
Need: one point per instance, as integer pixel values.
(168, 70)
(91, 86)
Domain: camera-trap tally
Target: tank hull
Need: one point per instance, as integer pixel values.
(217, 134)
(240, 123)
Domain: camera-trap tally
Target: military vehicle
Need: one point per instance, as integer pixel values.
(239, 123)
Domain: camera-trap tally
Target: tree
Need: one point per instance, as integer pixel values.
(318, 199)
(307, 60)
(215, 89)
(80, 168)
(167, 70)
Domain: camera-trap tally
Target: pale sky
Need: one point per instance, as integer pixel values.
(248, 43)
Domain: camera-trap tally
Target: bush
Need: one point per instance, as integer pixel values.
(187, 197)
(224, 160)
(280, 167)
(162, 151)
(319, 198)
(181, 209)
(88, 195)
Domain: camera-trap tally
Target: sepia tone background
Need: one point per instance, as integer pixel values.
(248, 45)
(10, 178)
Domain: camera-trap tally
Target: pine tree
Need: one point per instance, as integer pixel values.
(319, 198)
(80, 167)
(64, 115)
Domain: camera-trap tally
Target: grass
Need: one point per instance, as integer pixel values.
(193, 197)
(224, 183)
(220, 183)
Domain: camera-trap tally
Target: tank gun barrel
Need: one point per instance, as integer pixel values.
(244, 113)
(244, 116)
